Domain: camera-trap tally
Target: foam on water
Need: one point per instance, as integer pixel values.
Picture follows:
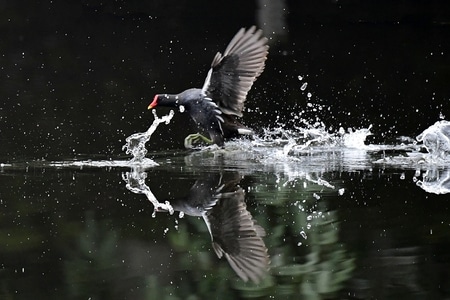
(435, 140)
(297, 141)
(290, 144)
(145, 162)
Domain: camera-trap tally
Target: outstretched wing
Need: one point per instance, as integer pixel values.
(232, 74)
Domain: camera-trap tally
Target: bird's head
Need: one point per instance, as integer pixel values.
(164, 100)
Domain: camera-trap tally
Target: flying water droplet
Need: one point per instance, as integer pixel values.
(303, 234)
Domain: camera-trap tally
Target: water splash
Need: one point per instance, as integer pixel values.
(356, 139)
(301, 140)
(135, 143)
(436, 139)
(135, 179)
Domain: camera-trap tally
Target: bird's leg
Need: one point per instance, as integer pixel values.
(195, 137)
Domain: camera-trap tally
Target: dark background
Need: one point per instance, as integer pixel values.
(76, 76)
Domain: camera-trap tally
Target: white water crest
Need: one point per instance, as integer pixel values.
(431, 149)
(436, 139)
(292, 142)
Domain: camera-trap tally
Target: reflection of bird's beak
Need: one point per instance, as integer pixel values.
(160, 209)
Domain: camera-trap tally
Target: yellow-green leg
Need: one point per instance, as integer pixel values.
(195, 137)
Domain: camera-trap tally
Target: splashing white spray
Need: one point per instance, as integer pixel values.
(136, 142)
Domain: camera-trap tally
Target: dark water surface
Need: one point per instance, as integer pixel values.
(342, 220)
(334, 230)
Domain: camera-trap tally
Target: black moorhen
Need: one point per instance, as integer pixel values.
(216, 105)
(235, 235)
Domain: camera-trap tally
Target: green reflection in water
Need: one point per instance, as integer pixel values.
(303, 239)
(92, 267)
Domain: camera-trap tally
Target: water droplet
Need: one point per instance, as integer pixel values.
(304, 85)
(303, 234)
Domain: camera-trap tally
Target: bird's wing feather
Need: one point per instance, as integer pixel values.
(232, 74)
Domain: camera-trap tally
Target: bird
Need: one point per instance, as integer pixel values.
(234, 233)
(216, 106)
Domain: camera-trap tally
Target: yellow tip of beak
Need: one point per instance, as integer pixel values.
(153, 103)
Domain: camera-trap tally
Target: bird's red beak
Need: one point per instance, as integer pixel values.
(154, 102)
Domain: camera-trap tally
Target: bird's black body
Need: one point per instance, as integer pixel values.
(214, 107)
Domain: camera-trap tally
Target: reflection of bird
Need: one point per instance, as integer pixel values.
(234, 233)
(215, 106)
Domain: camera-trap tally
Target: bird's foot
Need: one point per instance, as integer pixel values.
(195, 138)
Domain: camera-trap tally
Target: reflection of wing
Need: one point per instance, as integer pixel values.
(236, 236)
(234, 233)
